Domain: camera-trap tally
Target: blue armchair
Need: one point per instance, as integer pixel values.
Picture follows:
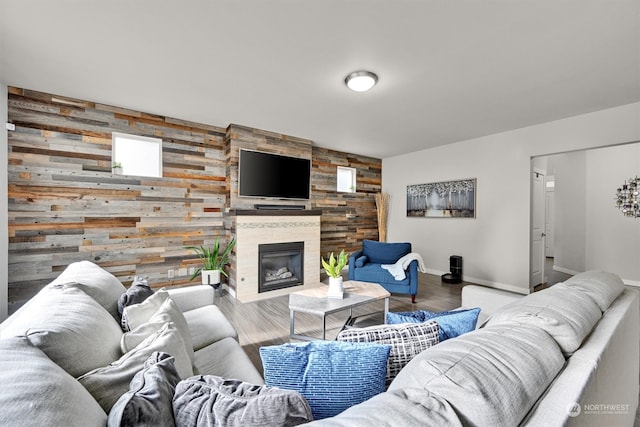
(365, 266)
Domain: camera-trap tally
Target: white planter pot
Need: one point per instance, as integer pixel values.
(117, 171)
(211, 277)
(336, 289)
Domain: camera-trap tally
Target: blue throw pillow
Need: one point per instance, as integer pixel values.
(452, 323)
(331, 375)
(361, 261)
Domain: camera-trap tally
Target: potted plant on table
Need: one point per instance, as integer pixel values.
(334, 267)
(213, 261)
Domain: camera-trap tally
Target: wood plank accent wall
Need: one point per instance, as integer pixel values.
(347, 218)
(65, 205)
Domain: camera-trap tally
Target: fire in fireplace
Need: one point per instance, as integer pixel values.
(280, 265)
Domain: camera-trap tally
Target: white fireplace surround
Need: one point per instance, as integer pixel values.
(252, 231)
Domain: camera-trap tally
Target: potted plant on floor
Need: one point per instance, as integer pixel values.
(213, 262)
(334, 267)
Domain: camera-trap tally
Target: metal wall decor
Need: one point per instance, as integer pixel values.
(628, 198)
(447, 199)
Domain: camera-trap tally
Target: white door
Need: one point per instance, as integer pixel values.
(550, 204)
(537, 229)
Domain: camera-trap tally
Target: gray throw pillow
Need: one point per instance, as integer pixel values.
(137, 292)
(213, 401)
(148, 401)
(108, 383)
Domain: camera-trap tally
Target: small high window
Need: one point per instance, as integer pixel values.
(346, 178)
(137, 155)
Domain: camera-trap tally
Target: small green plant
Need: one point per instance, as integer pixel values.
(116, 165)
(213, 258)
(335, 265)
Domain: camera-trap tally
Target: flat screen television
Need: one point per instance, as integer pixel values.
(273, 176)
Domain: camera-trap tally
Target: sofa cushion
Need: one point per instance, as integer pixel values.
(70, 327)
(601, 286)
(108, 383)
(203, 401)
(137, 293)
(37, 392)
(331, 375)
(149, 400)
(408, 407)
(374, 273)
(138, 314)
(565, 313)
(207, 325)
(168, 312)
(95, 281)
(225, 358)
(490, 376)
(452, 323)
(384, 253)
(406, 341)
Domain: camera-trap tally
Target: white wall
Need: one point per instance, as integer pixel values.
(612, 240)
(495, 245)
(4, 225)
(571, 205)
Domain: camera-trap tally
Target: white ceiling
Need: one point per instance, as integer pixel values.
(449, 70)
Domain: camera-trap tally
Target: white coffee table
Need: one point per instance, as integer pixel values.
(315, 301)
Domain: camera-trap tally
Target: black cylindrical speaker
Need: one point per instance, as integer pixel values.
(455, 266)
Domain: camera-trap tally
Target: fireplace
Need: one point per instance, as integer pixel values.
(281, 265)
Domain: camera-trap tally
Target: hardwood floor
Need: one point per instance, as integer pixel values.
(266, 322)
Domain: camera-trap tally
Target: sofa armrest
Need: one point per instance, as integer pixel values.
(191, 297)
(352, 263)
(488, 299)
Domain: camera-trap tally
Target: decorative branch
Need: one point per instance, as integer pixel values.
(382, 206)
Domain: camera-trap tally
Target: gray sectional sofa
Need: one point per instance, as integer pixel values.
(72, 327)
(568, 355)
(565, 356)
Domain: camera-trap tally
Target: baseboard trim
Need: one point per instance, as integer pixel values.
(488, 283)
(565, 270)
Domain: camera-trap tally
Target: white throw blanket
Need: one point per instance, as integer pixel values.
(397, 269)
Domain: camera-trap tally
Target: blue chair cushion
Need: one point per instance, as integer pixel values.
(374, 273)
(452, 323)
(331, 375)
(384, 253)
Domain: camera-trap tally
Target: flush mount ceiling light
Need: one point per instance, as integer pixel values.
(361, 81)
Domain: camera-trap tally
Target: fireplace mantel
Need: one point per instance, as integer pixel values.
(275, 212)
(256, 227)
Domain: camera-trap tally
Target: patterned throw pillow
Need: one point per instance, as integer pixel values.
(452, 323)
(406, 340)
(331, 375)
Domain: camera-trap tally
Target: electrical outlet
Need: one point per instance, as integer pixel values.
(171, 274)
(10, 126)
(182, 272)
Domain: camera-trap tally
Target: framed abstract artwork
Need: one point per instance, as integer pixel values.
(446, 199)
